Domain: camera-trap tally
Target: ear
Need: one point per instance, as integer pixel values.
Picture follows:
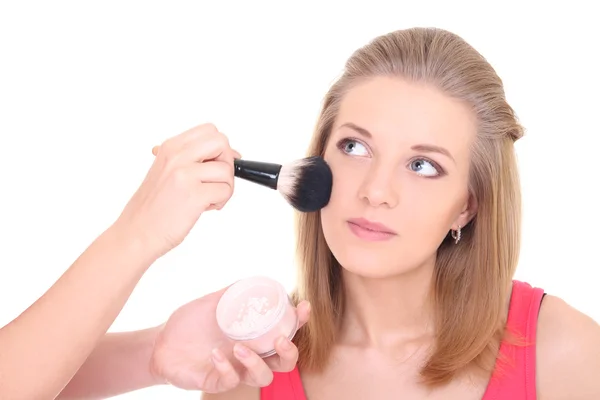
(468, 212)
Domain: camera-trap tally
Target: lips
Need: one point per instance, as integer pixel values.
(370, 231)
(371, 226)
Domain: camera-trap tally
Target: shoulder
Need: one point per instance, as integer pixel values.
(242, 392)
(567, 352)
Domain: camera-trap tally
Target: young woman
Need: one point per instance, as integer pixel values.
(409, 269)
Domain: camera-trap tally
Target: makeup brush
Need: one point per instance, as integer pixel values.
(305, 183)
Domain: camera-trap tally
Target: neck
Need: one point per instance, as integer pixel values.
(382, 312)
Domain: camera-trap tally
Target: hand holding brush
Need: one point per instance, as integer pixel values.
(305, 183)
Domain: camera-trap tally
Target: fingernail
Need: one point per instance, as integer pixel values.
(242, 351)
(217, 355)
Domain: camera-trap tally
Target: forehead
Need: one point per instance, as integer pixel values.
(399, 112)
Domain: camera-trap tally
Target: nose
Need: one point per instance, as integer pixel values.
(379, 187)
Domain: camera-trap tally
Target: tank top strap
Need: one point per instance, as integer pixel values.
(515, 372)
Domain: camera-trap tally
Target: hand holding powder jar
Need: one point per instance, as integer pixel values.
(257, 311)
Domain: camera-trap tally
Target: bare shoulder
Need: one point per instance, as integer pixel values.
(568, 353)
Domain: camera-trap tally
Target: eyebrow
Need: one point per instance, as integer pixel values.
(429, 148)
(426, 148)
(358, 129)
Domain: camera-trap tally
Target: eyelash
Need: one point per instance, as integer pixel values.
(343, 142)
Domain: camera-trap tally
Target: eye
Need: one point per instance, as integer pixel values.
(352, 147)
(425, 167)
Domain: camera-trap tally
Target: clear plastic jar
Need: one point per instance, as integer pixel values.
(257, 311)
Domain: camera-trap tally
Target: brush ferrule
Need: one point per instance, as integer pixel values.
(259, 172)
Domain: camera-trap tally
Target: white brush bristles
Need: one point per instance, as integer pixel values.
(290, 173)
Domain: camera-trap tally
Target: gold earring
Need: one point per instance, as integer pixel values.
(456, 235)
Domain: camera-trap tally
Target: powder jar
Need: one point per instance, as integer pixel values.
(257, 311)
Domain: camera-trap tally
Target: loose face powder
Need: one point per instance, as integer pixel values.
(257, 312)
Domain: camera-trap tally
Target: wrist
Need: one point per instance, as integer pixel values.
(154, 369)
(132, 246)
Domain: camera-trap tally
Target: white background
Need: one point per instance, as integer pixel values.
(87, 88)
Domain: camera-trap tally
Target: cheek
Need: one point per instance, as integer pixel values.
(344, 191)
(432, 208)
(348, 175)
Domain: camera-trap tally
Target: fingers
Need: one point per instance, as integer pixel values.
(217, 182)
(213, 172)
(208, 153)
(205, 176)
(198, 144)
(210, 146)
(236, 154)
(287, 356)
(228, 377)
(176, 144)
(287, 353)
(213, 195)
(257, 371)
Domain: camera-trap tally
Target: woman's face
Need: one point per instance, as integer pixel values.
(400, 155)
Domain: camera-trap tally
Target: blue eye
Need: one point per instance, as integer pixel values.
(424, 167)
(352, 147)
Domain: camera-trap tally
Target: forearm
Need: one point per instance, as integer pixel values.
(44, 347)
(119, 364)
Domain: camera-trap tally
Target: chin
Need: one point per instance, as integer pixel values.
(372, 266)
(363, 271)
(368, 262)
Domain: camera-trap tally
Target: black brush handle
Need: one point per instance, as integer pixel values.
(262, 173)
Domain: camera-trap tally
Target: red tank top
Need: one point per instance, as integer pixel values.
(516, 380)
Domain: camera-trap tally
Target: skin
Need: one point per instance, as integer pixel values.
(420, 195)
(59, 348)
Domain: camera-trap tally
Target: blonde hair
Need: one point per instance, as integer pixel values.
(472, 280)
